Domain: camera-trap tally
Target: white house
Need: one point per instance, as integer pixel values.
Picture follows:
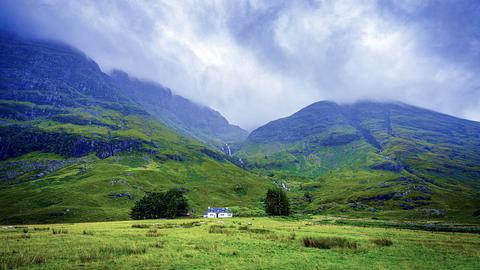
(213, 212)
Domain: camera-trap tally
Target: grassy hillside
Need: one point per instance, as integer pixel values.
(238, 243)
(371, 158)
(90, 188)
(73, 148)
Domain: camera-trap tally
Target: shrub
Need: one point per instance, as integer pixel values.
(258, 230)
(152, 233)
(190, 224)
(142, 226)
(383, 242)
(218, 229)
(328, 242)
(25, 230)
(243, 228)
(154, 205)
(59, 231)
(87, 232)
(307, 196)
(41, 228)
(276, 203)
(159, 245)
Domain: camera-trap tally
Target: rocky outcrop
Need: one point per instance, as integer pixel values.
(17, 140)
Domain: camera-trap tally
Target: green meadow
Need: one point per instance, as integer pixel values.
(321, 242)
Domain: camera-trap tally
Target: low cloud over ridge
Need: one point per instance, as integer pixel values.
(255, 61)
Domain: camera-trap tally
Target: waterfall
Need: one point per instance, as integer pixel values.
(228, 150)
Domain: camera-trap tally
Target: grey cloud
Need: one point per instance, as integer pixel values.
(255, 61)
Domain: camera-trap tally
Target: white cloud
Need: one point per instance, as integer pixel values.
(350, 51)
(342, 50)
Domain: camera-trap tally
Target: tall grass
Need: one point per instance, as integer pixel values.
(247, 228)
(328, 242)
(219, 229)
(109, 252)
(141, 226)
(18, 260)
(85, 232)
(152, 233)
(41, 228)
(383, 242)
(59, 231)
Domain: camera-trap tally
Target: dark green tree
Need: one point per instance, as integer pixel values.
(154, 205)
(276, 203)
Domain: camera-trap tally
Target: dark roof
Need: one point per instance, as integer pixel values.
(218, 210)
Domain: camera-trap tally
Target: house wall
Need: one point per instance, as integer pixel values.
(224, 215)
(217, 215)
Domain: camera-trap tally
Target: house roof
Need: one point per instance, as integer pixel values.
(218, 210)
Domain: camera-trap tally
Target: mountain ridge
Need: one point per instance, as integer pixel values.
(413, 153)
(190, 119)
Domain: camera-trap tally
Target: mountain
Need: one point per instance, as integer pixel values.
(186, 117)
(372, 156)
(74, 146)
(77, 144)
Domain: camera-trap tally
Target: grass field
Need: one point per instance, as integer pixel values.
(238, 243)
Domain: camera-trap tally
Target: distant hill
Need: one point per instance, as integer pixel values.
(373, 156)
(186, 117)
(74, 146)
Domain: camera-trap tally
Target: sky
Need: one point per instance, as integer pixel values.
(255, 61)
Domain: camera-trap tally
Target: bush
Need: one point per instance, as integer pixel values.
(142, 226)
(276, 203)
(87, 232)
(152, 233)
(383, 242)
(328, 242)
(243, 228)
(154, 205)
(247, 228)
(59, 231)
(218, 229)
(41, 228)
(160, 244)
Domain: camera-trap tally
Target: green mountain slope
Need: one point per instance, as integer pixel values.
(387, 158)
(184, 116)
(73, 147)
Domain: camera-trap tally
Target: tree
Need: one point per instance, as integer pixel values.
(168, 204)
(276, 202)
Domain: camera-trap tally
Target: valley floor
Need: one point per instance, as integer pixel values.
(237, 243)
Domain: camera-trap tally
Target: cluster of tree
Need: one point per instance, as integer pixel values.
(276, 202)
(154, 205)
